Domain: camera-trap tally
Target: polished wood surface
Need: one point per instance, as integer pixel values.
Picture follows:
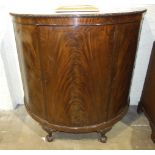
(147, 102)
(77, 70)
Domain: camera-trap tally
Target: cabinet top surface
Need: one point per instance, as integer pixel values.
(100, 13)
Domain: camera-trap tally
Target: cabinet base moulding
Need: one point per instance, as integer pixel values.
(101, 128)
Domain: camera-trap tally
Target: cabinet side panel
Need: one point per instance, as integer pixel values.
(77, 70)
(28, 54)
(126, 39)
(148, 95)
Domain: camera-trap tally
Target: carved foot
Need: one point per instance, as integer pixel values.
(49, 137)
(103, 138)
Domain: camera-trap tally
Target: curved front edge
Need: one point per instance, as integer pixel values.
(105, 126)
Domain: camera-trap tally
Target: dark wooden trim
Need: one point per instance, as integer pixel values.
(147, 100)
(66, 21)
(141, 108)
(85, 129)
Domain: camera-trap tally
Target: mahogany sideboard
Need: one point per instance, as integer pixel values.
(77, 68)
(147, 101)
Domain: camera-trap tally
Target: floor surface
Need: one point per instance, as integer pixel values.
(19, 131)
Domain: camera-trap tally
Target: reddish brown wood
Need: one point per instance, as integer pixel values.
(147, 102)
(77, 70)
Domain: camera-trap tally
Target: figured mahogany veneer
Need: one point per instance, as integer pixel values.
(77, 68)
(147, 102)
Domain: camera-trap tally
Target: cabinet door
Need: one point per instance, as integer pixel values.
(77, 67)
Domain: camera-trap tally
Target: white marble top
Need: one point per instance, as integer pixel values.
(52, 11)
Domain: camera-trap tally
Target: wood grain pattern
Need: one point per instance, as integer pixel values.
(74, 19)
(126, 36)
(148, 94)
(77, 71)
(28, 55)
(77, 76)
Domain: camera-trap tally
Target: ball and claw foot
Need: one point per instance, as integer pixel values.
(49, 138)
(103, 138)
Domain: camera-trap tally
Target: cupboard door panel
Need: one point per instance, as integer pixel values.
(77, 63)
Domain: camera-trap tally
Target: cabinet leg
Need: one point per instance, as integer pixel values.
(49, 137)
(153, 132)
(153, 136)
(103, 138)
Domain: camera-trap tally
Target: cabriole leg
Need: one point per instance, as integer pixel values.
(103, 137)
(153, 136)
(153, 132)
(49, 137)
